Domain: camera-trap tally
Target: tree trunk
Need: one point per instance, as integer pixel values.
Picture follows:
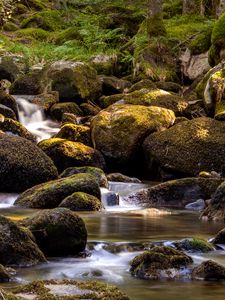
(155, 26)
(191, 7)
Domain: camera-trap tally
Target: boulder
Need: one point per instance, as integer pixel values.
(118, 177)
(8, 101)
(95, 172)
(176, 193)
(188, 147)
(75, 133)
(16, 246)
(119, 130)
(7, 112)
(58, 232)
(209, 270)
(142, 84)
(65, 154)
(159, 262)
(80, 201)
(23, 164)
(8, 69)
(75, 81)
(194, 245)
(13, 127)
(46, 100)
(90, 109)
(52, 193)
(220, 237)
(57, 110)
(113, 85)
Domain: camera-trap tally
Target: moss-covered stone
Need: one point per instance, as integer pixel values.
(23, 164)
(7, 112)
(90, 109)
(188, 147)
(142, 84)
(118, 177)
(194, 245)
(113, 85)
(52, 193)
(96, 172)
(16, 128)
(66, 289)
(57, 110)
(70, 33)
(65, 154)
(58, 232)
(35, 33)
(8, 68)
(46, 100)
(80, 201)
(9, 101)
(209, 270)
(16, 247)
(75, 133)
(10, 26)
(158, 262)
(220, 237)
(201, 43)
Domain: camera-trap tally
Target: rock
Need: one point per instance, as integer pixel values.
(23, 164)
(193, 66)
(4, 274)
(75, 81)
(13, 127)
(8, 69)
(62, 289)
(33, 83)
(46, 100)
(8, 101)
(104, 64)
(209, 270)
(220, 237)
(118, 177)
(197, 205)
(168, 86)
(159, 262)
(75, 133)
(188, 147)
(109, 198)
(16, 247)
(52, 193)
(126, 126)
(95, 172)
(80, 201)
(90, 109)
(7, 112)
(113, 85)
(194, 245)
(65, 154)
(58, 109)
(58, 232)
(175, 193)
(142, 84)
(70, 118)
(119, 247)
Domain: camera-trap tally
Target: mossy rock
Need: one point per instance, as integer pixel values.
(49, 20)
(7, 112)
(13, 127)
(96, 172)
(220, 237)
(194, 245)
(58, 232)
(35, 4)
(16, 247)
(169, 86)
(209, 270)
(23, 164)
(10, 102)
(8, 69)
(35, 33)
(57, 110)
(176, 193)
(65, 154)
(126, 126)
(118, 177)
(80, 201)
(112, 85)
(75, 133)
(75, 81)
(158, 262)
(142, 84)
(66, 289)
(71, 33)
(52, 193)
(188, 147)
(10, 26)
(46, 100)
(104, 64)
(201, 43)
(90, 109)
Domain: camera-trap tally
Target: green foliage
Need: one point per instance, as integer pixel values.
(35, 33)
(202, 42)
(172, 8)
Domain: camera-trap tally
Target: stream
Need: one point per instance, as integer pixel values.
(122, 227)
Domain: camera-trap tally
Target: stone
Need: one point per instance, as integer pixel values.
(220, 237)
(75, 133)
(80, 201)
(209, 270)
(59, 109)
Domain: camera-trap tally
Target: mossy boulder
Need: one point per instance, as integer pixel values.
(176, 193)
(220, 237)
(65, 154)
(16, 247)
(113, 85)
(75, 81)
(13, 127)
(68, 34)
(32, 34)
(119, 130)
(7, 112)
(209, 270)
(23, 164)
(194, 245)
(58, 232)
(9, 101)
(159, 262)
(75, 133)
(52, 193)
(201, 42)
(8, 69)
(32, 83)
(90, 109)
(46, 100)
(65, 289)
(188, 147)
(57, 110)
(80, 201)
(142, 84)
(118, 177)
(96, 172)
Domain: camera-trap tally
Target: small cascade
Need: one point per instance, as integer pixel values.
(7, 200)
(33, 118)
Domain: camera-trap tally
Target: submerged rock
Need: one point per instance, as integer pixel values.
(16, 246)
(52, 193)
(159, 262)
(80, 201)
(23, 164)
(209, 270)
(58, 232)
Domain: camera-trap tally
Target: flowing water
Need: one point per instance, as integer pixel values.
(115, 236)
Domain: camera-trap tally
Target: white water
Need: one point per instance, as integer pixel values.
(34, 119)
(7, 200)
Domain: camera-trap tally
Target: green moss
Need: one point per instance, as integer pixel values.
(201, 43)
(16, 128)
(35, 33)
(194, 245)
(155, 26)
(71, 33)
(75, 133)
(172, 8)
(10, 26)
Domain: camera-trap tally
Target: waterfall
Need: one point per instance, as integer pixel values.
(34, 119)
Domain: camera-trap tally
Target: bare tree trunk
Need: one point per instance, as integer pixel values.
(155, 26)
